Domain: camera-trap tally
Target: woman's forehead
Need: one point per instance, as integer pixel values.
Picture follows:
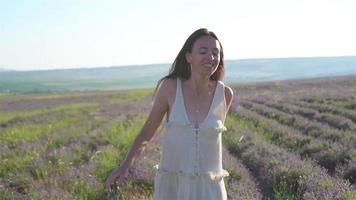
(206, 41)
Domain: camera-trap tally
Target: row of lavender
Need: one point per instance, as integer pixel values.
(70, 161)
(331, 148)
(297, 147)
(281, 174)
(64, 146)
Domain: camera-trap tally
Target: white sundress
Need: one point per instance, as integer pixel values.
(191, 159)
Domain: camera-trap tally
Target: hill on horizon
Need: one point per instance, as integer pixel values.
(146, 76)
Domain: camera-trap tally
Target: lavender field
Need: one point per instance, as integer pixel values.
(290, 140)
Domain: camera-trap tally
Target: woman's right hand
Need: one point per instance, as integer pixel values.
(118, 175)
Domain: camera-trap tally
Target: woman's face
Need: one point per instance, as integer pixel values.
(205, 56)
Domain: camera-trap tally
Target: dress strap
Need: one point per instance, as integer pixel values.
(176, 103)
(179, 94)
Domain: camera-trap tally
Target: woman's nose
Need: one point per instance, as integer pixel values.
(210, 56)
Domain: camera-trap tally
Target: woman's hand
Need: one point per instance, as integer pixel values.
(118, 175)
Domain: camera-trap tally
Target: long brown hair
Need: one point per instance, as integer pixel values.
(181, 68)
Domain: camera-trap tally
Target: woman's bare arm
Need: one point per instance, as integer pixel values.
(159, 109)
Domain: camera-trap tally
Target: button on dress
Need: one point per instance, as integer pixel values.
(190, 165)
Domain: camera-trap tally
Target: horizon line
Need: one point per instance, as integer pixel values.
(5, 69)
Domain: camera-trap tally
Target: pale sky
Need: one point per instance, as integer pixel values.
(52, 34)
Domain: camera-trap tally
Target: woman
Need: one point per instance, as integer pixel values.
(195, 103)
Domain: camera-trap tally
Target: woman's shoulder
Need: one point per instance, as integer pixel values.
(168, 84)
(227, 89)
(167, 88)
(229, 93)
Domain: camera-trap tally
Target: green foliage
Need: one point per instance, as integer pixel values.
(142, 187)
(348, 196)
(138, 93)
(234, 174)
(31, 132)
(69, 154)
(14, 163)
(6, 116)
(85, 191)
(121, 137)
(5, 194)
(286, 184)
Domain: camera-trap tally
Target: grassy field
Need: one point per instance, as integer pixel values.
(285, 140)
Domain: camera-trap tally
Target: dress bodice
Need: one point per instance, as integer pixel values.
(194, 149)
